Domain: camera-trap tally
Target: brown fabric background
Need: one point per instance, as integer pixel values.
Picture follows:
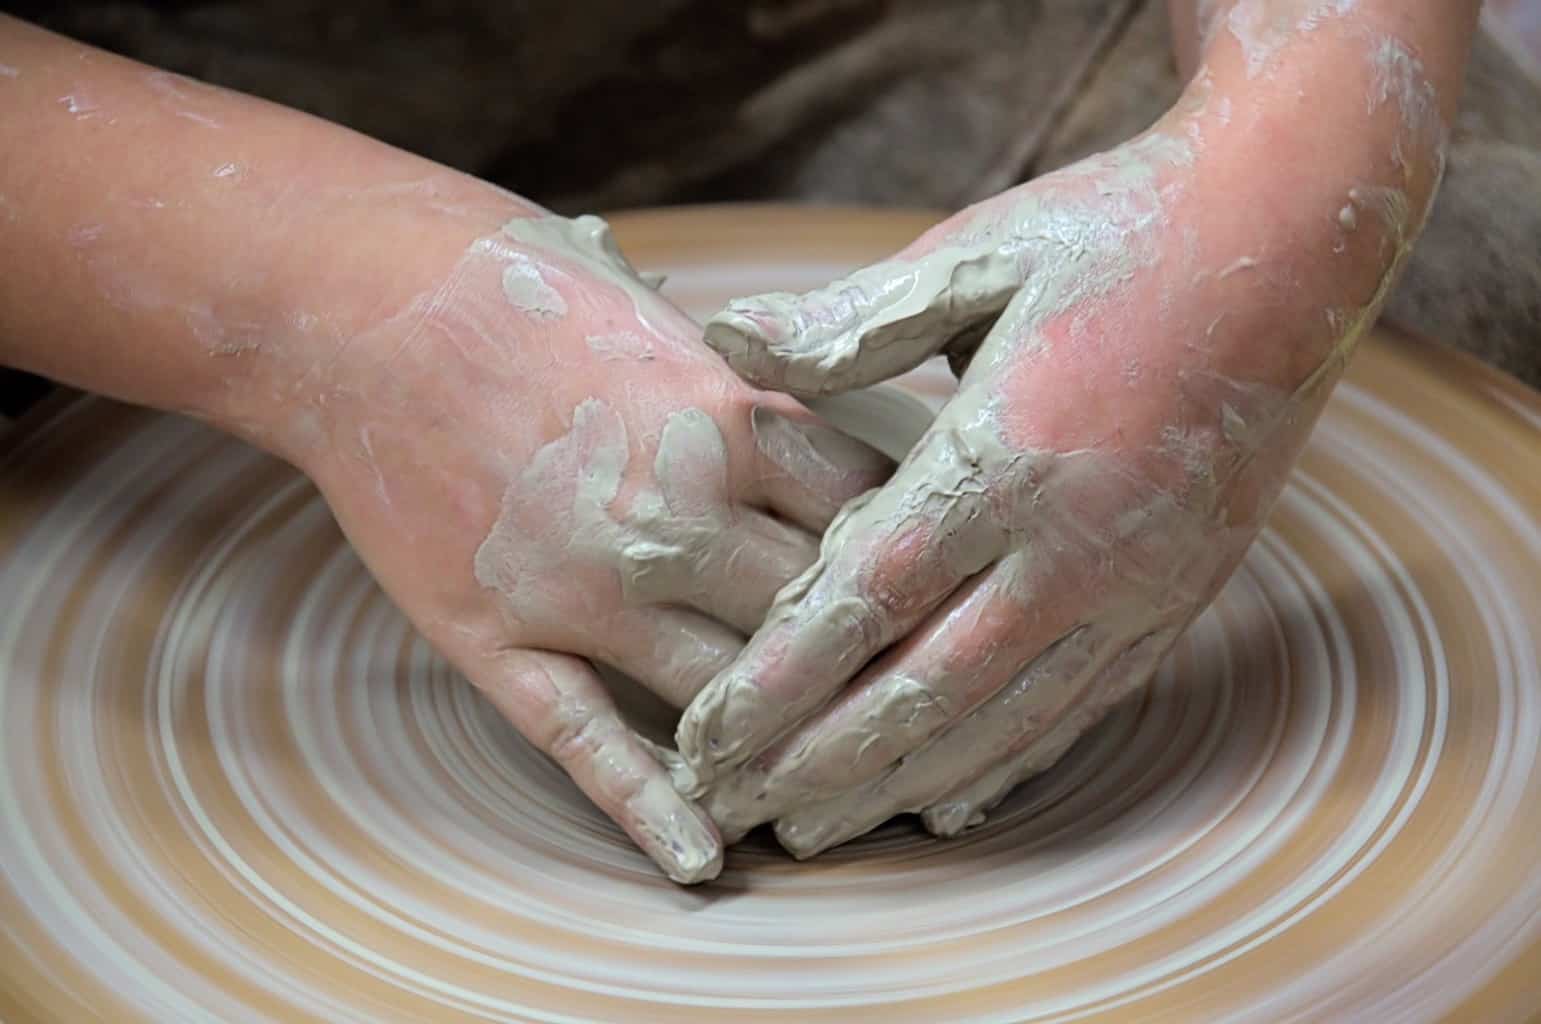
(603, 104)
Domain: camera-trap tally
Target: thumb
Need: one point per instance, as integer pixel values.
(877, 323)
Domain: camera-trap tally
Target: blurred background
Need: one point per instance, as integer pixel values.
(599, 105)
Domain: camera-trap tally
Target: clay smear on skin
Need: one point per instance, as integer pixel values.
(588, 241)
(656, 546)
(817, 348)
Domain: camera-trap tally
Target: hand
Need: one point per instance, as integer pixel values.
(531, 450)
(543, 466)
(1142, 365)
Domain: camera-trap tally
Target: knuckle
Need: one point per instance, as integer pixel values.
(573, 735)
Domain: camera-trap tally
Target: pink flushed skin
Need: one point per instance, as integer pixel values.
(1143, 367)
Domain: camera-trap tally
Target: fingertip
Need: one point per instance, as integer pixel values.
(676, 834)
(801, 839)
(742, 338)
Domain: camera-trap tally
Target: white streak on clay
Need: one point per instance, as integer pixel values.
(7, 71)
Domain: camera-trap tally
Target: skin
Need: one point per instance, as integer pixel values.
(1148, 338)
(530, 449)
(1144, 363)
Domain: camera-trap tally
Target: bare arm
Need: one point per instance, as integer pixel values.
(163, 238)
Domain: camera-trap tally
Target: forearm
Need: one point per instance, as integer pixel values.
(1322, 126)
(173, 244)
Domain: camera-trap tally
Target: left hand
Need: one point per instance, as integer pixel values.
(547, 472)
(1143, 366)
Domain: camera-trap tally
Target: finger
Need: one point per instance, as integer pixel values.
(671, 651)
(806, 471)
(970, 647)
(875, 324)
(968, 806)
(886, 562)
(1016, 716)
(557, 702)
(756, 558)
(731, 573)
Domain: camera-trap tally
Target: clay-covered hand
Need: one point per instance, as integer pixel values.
(545, 468)
(1143, 364)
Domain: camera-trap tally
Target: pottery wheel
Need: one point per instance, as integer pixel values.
(234, 785)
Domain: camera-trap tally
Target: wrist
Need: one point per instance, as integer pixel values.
(354, 280)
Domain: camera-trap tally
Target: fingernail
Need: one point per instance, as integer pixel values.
(805, 839)
(676, 835)
(951, 820)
